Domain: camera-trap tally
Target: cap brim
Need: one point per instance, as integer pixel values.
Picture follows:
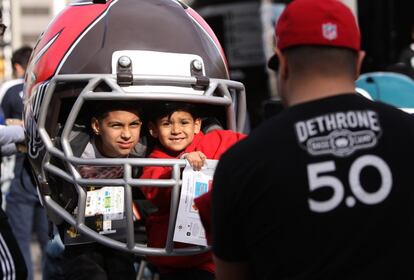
(273, 63)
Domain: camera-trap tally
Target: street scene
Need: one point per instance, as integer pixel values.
(206, 139)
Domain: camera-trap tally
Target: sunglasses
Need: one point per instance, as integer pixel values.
(2, 28)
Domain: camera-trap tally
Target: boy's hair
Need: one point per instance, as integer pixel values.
(161, 110)
(21, 56)
(103, 108)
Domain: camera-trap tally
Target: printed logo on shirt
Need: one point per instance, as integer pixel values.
(340, 133)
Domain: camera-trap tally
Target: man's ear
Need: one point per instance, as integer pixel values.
(95, 125)
(283, 70)
(18, 70)
(153, 130)
(197, 125)
(360, 59)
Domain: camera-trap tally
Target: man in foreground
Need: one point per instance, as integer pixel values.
(322, 190)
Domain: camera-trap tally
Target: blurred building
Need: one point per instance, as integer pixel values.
(26, 19)
(29, 19)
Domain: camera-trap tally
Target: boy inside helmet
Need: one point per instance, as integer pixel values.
(114, 133)
(176, 127)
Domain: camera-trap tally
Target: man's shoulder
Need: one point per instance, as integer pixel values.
(392, 113)
(11, 89)
(12, 85)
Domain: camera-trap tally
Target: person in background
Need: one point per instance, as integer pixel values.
(407, 54)
(11, 259)
(323, 189)
(405, 63)
(12, 262)
(26, 214)
(11, 92)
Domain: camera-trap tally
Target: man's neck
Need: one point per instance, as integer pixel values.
(313, 89)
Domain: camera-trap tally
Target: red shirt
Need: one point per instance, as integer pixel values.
(213, 145)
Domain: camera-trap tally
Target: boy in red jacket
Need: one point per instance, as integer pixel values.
(177, 130)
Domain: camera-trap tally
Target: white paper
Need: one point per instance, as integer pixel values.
(108, 201)
(188, 227)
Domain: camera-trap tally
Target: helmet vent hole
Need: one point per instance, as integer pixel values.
(102, 87)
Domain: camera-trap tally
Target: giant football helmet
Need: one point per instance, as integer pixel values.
(118, 50)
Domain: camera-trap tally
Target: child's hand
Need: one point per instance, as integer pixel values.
(196, 159)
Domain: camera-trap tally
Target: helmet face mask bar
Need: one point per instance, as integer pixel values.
(53, 110)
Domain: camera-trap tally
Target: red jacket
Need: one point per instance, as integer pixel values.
(213, 145)
(203, 203)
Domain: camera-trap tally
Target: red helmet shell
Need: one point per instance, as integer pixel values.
(85, 45)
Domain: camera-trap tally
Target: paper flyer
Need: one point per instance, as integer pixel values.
(188, 227)
(107, 201)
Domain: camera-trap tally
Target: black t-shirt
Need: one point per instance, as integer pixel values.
(22, 188)
(324, 190)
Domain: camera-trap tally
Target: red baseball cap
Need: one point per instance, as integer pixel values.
(316, 22)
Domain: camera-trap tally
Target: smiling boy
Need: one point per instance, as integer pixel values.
(176, 128)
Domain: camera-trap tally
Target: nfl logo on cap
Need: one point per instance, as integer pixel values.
(329, 31)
